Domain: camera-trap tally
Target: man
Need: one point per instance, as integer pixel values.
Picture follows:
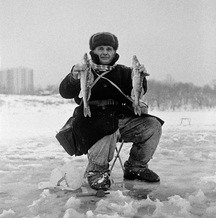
(111, 113)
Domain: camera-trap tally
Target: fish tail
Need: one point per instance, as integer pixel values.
(137, 110)
(87, 111)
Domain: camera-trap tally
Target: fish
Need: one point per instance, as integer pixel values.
(86, 79)
(137, 84)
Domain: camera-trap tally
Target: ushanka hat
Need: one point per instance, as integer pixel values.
(103, 38)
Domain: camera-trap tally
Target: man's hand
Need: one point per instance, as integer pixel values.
(76, 70)
(141, 68)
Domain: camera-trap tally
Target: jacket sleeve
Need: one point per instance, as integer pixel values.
(69, 87)
(145, 85)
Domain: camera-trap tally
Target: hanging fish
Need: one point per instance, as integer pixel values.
(86, 80)
(137, 83)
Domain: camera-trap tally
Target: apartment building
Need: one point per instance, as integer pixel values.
(16, 81)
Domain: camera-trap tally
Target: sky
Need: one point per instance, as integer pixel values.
(170, 37)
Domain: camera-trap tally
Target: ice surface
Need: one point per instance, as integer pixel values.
(68, 177)
(31, 161)
(7, 213)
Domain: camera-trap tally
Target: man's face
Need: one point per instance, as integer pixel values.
(105, 53)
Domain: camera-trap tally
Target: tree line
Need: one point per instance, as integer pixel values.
(177, 95)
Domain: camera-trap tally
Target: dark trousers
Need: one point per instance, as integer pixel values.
(144, 132)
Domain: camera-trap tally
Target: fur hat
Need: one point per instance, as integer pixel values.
(103, 38)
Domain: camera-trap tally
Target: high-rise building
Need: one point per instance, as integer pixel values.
(16, 81)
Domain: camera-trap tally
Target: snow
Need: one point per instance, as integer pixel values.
(31, 160)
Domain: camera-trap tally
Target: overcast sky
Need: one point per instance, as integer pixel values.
(176, 37)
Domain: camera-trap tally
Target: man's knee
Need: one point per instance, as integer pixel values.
(152, 124)
(150, 128)
(155, 124)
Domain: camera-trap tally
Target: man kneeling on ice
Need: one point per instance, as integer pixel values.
(109, 98)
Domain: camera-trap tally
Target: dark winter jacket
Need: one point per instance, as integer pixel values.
(103, 89)
(103, 120)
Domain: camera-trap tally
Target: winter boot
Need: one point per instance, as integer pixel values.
(99, 180)
(140, 173)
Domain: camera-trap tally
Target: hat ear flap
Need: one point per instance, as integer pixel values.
(94, 57)
(91, 43)
(116, 42)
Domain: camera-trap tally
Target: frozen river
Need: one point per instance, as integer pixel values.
(185, 161)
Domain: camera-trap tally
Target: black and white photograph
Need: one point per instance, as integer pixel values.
(107, 109)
